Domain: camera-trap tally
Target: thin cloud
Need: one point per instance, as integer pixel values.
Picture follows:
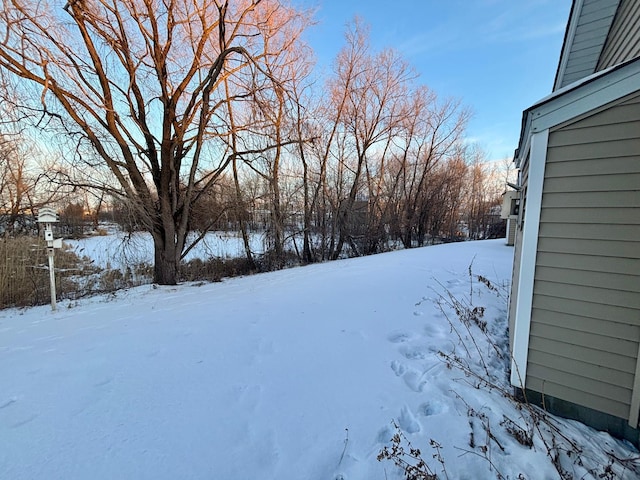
(480, 26)
(514, 24)
(436, 40)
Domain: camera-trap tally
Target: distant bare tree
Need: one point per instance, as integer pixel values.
(429, 138)
(485, 185)
(22, 186)
(367, 91)
(276, 110)
(16, 190)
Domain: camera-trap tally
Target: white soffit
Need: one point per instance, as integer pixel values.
(605, 87)
(579, 98)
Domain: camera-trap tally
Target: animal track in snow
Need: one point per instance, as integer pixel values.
(398, 368)
(384, 435)
(414, 380)
(413, 352)
(430, 408)
(412, 377)
(408, 422)
(399, 337)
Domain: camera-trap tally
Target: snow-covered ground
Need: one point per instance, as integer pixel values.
(120, 249)
(295, 374)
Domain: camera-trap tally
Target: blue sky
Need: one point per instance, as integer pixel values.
(497, 56)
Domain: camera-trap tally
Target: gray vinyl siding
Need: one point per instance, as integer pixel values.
(585, 320)
(623, 42)
(590, 35)
(511, 231)
(560, 390)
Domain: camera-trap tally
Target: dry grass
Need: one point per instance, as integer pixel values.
(24, 276)
(24, 273)
(214, 269)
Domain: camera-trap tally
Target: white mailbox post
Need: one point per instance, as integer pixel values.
(48, 217)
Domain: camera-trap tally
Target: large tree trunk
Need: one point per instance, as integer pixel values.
(168, 241)
(166, 260)
(165, 269)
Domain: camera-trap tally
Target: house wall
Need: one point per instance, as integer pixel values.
(511, 231)
(623, 41)
(585, 322)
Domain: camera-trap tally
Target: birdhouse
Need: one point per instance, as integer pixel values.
(47, 215)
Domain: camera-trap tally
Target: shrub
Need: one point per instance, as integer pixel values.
(214, 269)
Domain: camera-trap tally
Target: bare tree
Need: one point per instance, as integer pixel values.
(278, 108)
(140, 83)
(307, 132)
(485, 185)
(445, 122)
(16, 189)
(22, 185)
(367, 90)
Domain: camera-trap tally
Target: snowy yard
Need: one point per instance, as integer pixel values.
(119, 249)
(289, 375)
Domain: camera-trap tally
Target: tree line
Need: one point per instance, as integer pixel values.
(192, 115)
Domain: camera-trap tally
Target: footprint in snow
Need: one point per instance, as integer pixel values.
(430, 408)
(384, 435)
(399, 337)
(414, 380)
(398, 368)
(413, 352)
(408, 422)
